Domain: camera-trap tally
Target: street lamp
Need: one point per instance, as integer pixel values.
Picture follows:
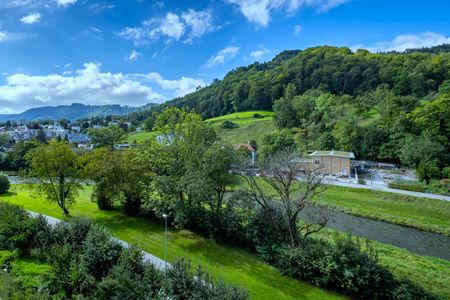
(165, 216)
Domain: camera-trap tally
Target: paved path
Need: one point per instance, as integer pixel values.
(148, 258)
(389, 190)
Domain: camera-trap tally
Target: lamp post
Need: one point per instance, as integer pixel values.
(165, 216)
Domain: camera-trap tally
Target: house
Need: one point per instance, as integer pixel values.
(332, 162)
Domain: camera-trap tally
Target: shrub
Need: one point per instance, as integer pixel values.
(229, 125)
(4, 184)
(182, 285)
(130, 278)
(407, 290)
(446, 172)
(104, 196)
(406, 187)
(17, 228)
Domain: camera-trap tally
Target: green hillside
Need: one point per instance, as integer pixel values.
(249, 127)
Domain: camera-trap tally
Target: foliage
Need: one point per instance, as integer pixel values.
(57, 169)
(88, 263)
(107, 136)
(271, 143)
(4, 184)
(229, 125)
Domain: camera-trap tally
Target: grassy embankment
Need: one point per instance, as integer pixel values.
(234, 265)
(422, 213)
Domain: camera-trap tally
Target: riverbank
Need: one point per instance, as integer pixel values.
(421, 213)
(235, 265)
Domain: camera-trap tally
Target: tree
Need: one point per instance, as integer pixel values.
(272, 143)
(289, 185)
(107, 136)
(41, 137)
(4, 139)
(4, 184)
(58, 172)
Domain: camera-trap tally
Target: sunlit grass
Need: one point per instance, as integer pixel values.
(234, 265)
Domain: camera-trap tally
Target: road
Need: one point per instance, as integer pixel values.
(148, 258)
(378, 187)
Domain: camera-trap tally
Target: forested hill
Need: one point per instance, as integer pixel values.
(73, 112)
(417, 72)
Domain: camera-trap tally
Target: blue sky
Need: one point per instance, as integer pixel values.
(137, 51)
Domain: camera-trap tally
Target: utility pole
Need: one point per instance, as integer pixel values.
(165, 216)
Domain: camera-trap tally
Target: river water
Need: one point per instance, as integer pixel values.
(414, 240)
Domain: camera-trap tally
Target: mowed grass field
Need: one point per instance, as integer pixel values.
(422, 213)
(234, 265)
(249, 127)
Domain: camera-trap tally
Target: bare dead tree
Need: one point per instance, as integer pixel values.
(290, 182)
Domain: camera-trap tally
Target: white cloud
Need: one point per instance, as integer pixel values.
(257, 54)
(88, 85)
(99, 7)
(189, 24)
(133, 56)
(222, 56)
(31, 18)
(407, 41)
(12, 36)
(259, 11)
(182, 86)
(65, 3)
(170, 26)
(3, 36)
(199, 22)
(297, 30)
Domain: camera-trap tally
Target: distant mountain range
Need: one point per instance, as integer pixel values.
(73, 112)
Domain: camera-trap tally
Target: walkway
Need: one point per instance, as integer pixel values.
(389, 190)
(148, 258)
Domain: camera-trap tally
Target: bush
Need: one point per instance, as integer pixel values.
(17, 228)
(406, 187)
(257, 116)
(229, 125)
(4, 184)
(407, 290)
(182, 285)
(446, 173)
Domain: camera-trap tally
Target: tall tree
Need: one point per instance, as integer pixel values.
(107, 136)
(288, 184)
(58, 173)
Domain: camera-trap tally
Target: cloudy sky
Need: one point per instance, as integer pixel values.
(133, 52)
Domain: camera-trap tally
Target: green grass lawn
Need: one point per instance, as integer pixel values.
(250, 128)
(140, 136)
(234, 265)
(422, 213)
